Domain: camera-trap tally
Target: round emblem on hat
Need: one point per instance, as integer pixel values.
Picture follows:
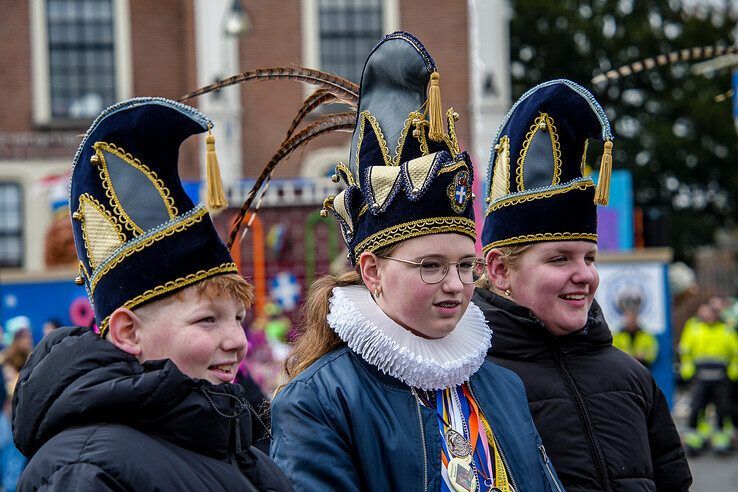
(459, 191)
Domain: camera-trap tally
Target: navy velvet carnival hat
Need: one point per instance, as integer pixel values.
(538, 188)
(424, 184)
(138, 235)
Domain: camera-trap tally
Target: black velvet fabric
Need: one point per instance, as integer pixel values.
(394, 84)
(151, 131)
(570, 212)
(576, 117)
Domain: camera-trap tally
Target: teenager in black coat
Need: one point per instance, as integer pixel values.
(604, 422)
(92, 417)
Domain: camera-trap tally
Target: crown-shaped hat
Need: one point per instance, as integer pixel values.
(137, 233)
(406, 175)
(539, 189)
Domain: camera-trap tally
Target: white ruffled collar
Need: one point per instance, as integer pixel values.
(427, 364)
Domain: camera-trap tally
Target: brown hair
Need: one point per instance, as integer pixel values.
(315, 337)
(230, 284)
(511, 256)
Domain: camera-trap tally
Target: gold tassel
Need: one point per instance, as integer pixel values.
(602, 193)
(215, 198)
(435, 112)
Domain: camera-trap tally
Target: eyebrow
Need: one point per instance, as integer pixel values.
(439, 255)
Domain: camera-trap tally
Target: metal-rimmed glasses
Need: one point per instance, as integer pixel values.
(433, 269)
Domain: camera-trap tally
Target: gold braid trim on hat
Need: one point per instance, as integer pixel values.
(517, 199)
(363, 118)
(546, 121)
(113, 261)
(101, 233)
(415, 228)
(541, 237)
(173, 285)
(100, 149)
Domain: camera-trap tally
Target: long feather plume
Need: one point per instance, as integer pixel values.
(311, 103)
(344, 89)
(334, 122)
(685, 55)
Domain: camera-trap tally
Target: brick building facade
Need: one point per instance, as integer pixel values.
(57, 53)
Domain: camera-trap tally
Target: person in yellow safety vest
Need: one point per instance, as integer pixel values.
(632, 340)
(709, 357)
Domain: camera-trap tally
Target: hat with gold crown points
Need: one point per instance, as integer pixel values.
(406, 175)
(138, 235)
(538, 188)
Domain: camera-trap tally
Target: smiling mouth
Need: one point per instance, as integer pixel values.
(573, 297)
(448, 304)
(227, 368)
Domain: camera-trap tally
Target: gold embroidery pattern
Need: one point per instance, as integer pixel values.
(461, 183)
(363, 118)
(514, 200)
(418, 170)
(383, 180)
(583, 166)
(544, 236)
(135, 248)
(422, 227)
(500, 185)
(406, 130)
(101, 233)
(339, 205)
(363, 210)
(453, 141)
(172, 285)
(452, 167)
(555, 148)
(135, 163)
(83, 270)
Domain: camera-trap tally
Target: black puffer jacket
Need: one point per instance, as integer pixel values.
(604, 422)
(91, 417)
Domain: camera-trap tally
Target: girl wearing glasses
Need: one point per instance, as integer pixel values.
(388, 388)
(603, 419)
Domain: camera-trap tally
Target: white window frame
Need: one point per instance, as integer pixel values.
(40, 57)
(311, 30)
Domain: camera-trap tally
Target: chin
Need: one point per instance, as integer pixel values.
(442, 330)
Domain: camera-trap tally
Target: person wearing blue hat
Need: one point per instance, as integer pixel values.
(604, 421)
(388, 384)
(149, 402)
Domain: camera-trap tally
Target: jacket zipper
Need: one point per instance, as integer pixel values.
(497, 442)
(542, 449)
(585, 414)
(422, 439)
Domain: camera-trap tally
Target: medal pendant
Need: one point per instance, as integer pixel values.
(457, 444)
(461, 475)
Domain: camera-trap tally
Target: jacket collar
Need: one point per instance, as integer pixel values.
(75, 378)
(519, 334)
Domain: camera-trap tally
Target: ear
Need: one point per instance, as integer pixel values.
(369, 269)
(497, 271)
(123, 327)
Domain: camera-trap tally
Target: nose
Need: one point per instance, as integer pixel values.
(235, 339)
(452, 283)
(583, 273)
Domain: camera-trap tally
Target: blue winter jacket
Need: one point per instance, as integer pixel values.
(343, 425)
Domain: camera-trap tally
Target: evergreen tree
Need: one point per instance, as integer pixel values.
(678, 142)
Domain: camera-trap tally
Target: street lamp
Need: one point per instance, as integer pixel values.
(236, 22)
